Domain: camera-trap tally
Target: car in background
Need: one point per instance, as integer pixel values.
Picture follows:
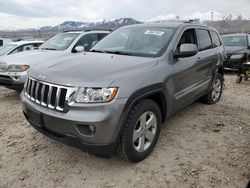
(4, 41)
(21, 46)
(237, 47)
(13, 68)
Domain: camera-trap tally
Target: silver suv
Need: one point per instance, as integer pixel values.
(13, 68)
(117, 96)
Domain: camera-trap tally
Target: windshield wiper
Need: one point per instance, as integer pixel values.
(48, 49)
(99, 51)
(119, 52)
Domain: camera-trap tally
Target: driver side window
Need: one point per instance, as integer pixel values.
(188, 37)
(87, 41)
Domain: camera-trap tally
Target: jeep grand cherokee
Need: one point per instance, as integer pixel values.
(117, 96)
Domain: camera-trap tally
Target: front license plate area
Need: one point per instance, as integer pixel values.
(35, 117)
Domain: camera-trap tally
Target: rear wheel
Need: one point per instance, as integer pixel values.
(141, 131)
(215, 92)
(239, 79)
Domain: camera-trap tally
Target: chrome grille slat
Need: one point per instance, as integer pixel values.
(58, 93)
(32, 90)
(28, 88)
(48, 95)
(36, 92)
(42, 95)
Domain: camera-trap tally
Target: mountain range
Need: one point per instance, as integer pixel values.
(201, 16)
(224, 23)
(76, 25)
(115, 23)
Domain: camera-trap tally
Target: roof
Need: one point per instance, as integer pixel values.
(26, 42)
(89, 31)
(169, 24)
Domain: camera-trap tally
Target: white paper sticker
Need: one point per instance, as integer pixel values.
(151, 32)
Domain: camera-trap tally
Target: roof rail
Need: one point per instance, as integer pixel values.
(87, 30)
(192, 21)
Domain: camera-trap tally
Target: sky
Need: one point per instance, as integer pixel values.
(15, 14)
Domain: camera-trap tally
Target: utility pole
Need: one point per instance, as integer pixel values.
(212, 16)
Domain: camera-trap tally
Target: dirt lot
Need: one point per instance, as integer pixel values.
(201, 146)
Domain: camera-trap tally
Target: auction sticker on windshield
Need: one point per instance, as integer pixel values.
(151, 32)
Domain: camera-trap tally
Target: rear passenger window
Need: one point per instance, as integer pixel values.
(205, 42)
(215, 39)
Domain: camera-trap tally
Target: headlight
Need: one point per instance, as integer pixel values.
(238, 56)
(18, 68)
(94, 95)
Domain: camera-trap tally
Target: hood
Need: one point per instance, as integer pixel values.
(31, 57)
(236, 49)
(90, 69)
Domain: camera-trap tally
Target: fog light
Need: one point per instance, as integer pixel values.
(86, 130)
(92, 128)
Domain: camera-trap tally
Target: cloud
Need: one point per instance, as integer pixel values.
(35, 13)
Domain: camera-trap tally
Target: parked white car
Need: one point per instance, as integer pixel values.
(4, 41)
(15, 47)
(13, 68)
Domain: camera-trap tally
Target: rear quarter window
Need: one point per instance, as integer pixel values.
(205, 42)
(215, 39)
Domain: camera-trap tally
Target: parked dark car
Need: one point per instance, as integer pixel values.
(237, 47)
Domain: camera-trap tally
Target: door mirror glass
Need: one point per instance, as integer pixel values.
(79, 49)
(187, 50)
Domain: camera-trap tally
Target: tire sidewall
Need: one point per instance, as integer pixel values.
(217, 76)
(130, 150)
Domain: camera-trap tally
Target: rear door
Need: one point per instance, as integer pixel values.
(208, 56)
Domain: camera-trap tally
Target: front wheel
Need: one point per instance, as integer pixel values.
(141, 131)
(214, 94)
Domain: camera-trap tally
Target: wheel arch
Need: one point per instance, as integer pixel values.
(155, 92)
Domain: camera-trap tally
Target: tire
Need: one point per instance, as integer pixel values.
(141, 131)
(239, 79)
(214, 94)
(245, 78)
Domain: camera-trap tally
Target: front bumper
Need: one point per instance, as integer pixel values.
(234, 64)
(13, 80)
(66, 127)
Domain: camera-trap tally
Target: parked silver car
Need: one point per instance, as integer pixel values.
(117, 96)
(13, 69)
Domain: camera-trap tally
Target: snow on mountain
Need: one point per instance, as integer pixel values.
(202, 16)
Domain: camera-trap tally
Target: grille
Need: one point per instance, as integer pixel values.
(47, 95)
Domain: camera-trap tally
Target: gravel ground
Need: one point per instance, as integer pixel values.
(201, 146)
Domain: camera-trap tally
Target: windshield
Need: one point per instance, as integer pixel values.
(234, 40)
(137, 41)
(59, 42)
(6, 48)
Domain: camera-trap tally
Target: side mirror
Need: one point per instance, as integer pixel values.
(248, 47)
(186, 50)
(79, 49)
